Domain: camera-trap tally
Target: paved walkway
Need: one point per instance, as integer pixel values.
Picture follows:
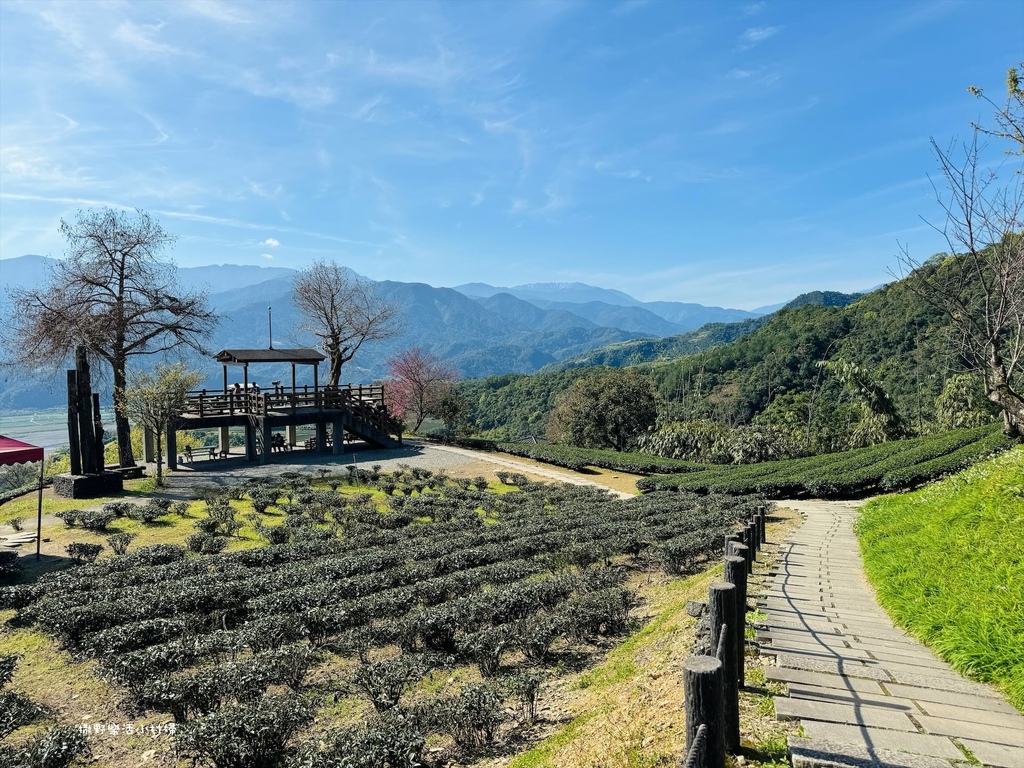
(865, 692)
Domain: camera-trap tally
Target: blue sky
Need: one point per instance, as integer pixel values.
(734, 154)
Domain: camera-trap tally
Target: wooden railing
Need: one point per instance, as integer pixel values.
(365, 402)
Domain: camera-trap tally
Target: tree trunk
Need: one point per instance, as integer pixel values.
(1001, 393)
(159, 458)
(124, 430)
(335, 369)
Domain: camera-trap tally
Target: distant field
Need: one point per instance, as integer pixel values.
(893, 466)
(948, 564)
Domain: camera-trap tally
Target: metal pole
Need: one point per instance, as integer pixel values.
(39, 515)
(270, 327)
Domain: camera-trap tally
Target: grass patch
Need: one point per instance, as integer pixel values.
(948, 565)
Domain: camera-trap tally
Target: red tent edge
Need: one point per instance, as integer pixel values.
(16, 452)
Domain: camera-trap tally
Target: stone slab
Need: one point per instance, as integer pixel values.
(844, 668)
(810, 753)
(955, 684)
(962, 729)
(976, 714)
(995, 755)
(876, 738)
(825, 680)
(987, 701)
(843, 696)
(849, 714)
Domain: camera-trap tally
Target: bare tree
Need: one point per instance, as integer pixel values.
(342, 311)
(980, 286)
(113, 295)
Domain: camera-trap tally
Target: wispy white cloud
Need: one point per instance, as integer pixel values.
(271, 242)
(143, 37)
(755, 35)
(267, 255)
(752, 9)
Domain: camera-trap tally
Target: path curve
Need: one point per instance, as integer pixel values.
(865, 692)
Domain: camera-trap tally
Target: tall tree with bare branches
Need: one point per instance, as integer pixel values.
(113, 294)
(980, 284)
(342, 311)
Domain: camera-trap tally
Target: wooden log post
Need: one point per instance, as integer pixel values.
(749, 545)
(724, 635)
(702, 684)
(730, 540)
(736, 573)
(762, 518)
(73, 435)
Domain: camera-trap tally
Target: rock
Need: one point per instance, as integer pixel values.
(696, 608)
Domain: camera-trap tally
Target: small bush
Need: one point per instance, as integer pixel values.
(473, 716)
(82, 552)
(244, 736)
(17, 523)
(69, 516)
(119, 542)
(206, 543)
(96, 520)
(524, 686)
(9, 562)
(57, 747)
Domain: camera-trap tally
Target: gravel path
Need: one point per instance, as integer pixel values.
(415, 453)
(865, 692)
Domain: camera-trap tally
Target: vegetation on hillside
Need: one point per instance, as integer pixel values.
(887, 466)
(947, 563)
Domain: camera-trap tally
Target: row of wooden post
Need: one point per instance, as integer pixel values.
(712, 683)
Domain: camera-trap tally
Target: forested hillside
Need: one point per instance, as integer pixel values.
(772, 372)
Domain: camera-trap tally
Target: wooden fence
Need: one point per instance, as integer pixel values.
(712, 683)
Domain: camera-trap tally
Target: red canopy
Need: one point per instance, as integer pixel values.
(16, 452)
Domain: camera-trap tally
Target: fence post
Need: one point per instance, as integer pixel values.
(730, 540)
(724, 634)
(702, 684)
(736, 573)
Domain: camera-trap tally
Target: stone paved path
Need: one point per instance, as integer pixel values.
(865, 692)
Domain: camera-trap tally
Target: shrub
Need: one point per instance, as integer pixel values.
(119, 542)
(389, 740)
(16, 710)
(534, 636)
(56, 747)
(384, 682)
(69, 516)
(150, 511)
(206, 543)
(524, 686)
(9, 562)
(485, 648)
(96, 520)
(82, 552)
(472, 717)
(245, 736)
(17, 523)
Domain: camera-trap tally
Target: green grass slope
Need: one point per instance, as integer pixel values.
(948, 565)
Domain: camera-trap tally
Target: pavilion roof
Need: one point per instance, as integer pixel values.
(244, 356)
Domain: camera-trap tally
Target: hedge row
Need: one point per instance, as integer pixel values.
(890, 466)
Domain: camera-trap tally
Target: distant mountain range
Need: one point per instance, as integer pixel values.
(480, 329)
